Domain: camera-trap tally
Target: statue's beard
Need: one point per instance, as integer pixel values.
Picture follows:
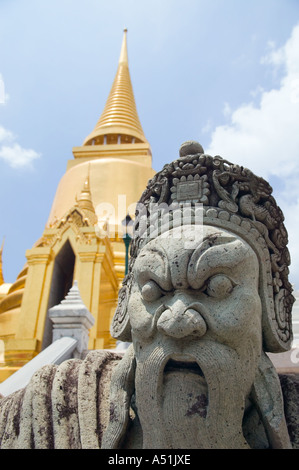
(195, 396)
(192, 400)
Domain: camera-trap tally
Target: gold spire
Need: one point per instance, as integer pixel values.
(84, 201)
(123, 58)
(119, 122)
(1, 270)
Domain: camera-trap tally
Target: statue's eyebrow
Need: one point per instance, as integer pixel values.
(211, 256)
(159, 272)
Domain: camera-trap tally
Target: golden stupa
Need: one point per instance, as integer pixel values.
(82, 239)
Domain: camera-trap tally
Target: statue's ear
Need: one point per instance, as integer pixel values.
(120, 328)
(267, 395)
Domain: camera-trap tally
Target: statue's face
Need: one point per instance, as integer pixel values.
(208, 292)
(195, 315)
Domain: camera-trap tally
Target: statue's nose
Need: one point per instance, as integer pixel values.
(179, 320)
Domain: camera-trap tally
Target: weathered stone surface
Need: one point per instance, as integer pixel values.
(290, 390)
(63, 407)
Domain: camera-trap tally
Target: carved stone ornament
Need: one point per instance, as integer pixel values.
(234, 199)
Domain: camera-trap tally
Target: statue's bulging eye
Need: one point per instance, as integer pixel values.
(219, 286)
(151, 291)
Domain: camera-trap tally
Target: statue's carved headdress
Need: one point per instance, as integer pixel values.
(234, 199)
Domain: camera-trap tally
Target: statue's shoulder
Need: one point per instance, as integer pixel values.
(63, 406)
(290, 391)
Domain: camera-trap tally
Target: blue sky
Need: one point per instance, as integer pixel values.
(223, 72)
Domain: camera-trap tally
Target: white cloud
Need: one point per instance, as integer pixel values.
(274, 56)
(12, 153)
(265, 138)
(18, 157)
